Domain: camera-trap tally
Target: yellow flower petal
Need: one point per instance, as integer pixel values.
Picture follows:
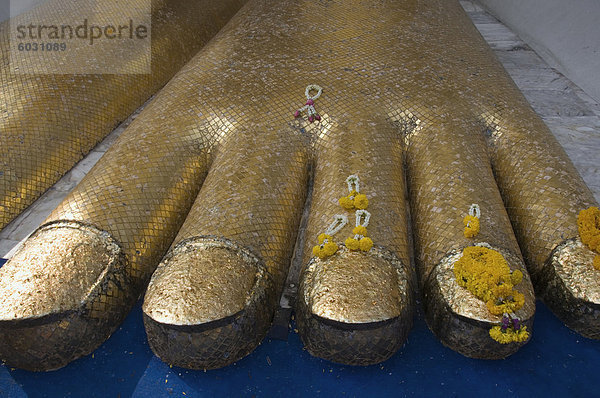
(321, 238)
(316, 250)
(588, 224)
(360, 230)
(516, 277)
(346, 203)
(471, 224)
(366, 244)
(330, 248)
(352, 244)
(361, 202)
(509, 335)
(486, 274)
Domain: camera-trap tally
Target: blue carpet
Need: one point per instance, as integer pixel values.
(556, 362)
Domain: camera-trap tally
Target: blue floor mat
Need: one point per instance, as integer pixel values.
(556, 362)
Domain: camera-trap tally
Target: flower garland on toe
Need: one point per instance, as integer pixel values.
(309, 107)
(588, 224)
(485, 273)
(471, 221)
(509, 331)
(354, 200)
(360, 241)
(327, 247)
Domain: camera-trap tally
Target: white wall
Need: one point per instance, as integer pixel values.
(566, 33)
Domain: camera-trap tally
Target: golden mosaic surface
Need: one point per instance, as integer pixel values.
(355, 288)
(253, 195)
(572, 261)
(403, 82)
(48, 122)
(465, 304)
(371, 149)
(252, 198)
(200, 283)
(65, 263)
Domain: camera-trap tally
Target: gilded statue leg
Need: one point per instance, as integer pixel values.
(76, 278)
(411, 70)
(356, 307)
(211, 300)
(48, 121)
(544, 194)
(448, 170)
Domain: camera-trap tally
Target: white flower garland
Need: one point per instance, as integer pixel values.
(339, 222)
(310, 102)
(360, 222)
(475, 211)
(353, 183)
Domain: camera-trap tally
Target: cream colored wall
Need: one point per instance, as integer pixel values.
(566, 33)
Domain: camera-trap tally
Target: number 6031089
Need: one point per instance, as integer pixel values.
(42, 46)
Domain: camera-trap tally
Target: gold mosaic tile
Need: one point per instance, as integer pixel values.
(403, 82)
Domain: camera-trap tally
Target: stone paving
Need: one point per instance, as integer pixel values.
(572, 115)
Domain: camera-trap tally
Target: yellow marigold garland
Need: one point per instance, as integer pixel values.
(471, 221)
(355, 199)
(360, 230)
(471, 226)
(366, 244)
(588, 224)
(327, 247)
(360, 241)
(347, 202)
(486, 274)
(509, 335)
(506, 300)
(352, 244)
(361, 202)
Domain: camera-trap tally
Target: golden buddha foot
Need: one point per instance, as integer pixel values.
(392, 105)
(211, 300)
(356, 306)
(50, 121)
(448, 172)
(53, 314)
